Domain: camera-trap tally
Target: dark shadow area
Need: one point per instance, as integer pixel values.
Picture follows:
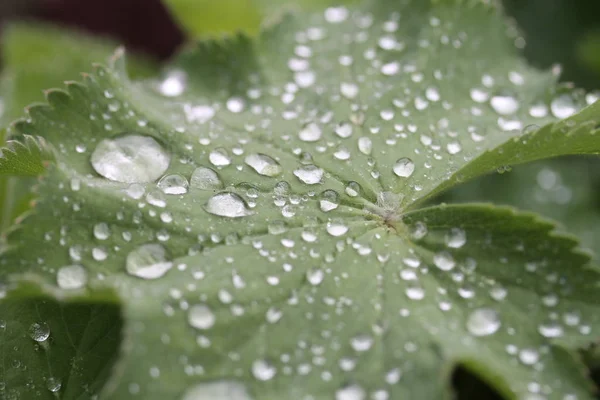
(467, 386)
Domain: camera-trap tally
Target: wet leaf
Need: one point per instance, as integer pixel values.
(256, 210)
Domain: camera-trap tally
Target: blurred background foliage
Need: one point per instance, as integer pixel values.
(44, 42)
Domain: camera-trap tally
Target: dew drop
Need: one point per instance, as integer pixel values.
(101, 231)
(344, 130)
(227, 204)
(563, 106)
(351, 392)
(444, 261)
(529, 356)
(173, 184)
(263, 370)
(309, 174)
(263, 164)
(456, 238)
(148, 261)
(504, 104)
(315, 276)
(218, 390)
(71, 277)
(483, 322)
(53, 384)
(336, 228)
(205, 179)
(174, 84)
(311, 132)
(404, 167)
(130, 158)
(201, 317)
(39, 331)
(361, 343)
(219, 157)
(330, 200)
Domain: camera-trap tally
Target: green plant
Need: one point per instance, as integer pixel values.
(255, 224)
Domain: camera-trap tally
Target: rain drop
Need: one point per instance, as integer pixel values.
(148, 261)
(227, 204)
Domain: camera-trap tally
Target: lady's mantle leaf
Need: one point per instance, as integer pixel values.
(250, 210)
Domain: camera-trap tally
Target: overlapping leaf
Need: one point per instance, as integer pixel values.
(281, 254)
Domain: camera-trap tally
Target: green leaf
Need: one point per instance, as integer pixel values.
(257, 213)
(209, 18)
(24, 157)
(35, 58)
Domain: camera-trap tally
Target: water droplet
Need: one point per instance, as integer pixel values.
(130, 159)
(456, 238)
(361, 343)
(205, 179)
(344, 130)
(219, 157)
(263, 370)
(330, 200)
(173, 184)
(201, 317)
(551, 329)
(311, 132)
(483, 322)
(71, 277)
(53, 384)
(263, 164)
(335, 15)
(444, 261)
(309, 174)
(365, 145)
(39, 331)
(563, 106)
(529, 356)
(174, 83)
(101, 231)
(504, 104)
(349, 90)
(227, 204)
(315, 276)
(351, 392)
(148, 261)
(218, 390)
(418, 231)
(235, 104)
(336, 228)
(404, 167)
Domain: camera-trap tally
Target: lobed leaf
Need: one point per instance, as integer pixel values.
(255, 213)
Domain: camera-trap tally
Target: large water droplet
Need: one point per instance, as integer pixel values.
(483, 322)
(504, 104)
(201, 317)
(219, 390)
(173, 184)
(404, 167)
(263, 164)
(71, 277)
(344, 130)
(309, 174)
(456, 238)
(563, 106)
(130, 159)
(227, 204)
(174, 83)
(205, 179)
(148, 261)
(444, 261)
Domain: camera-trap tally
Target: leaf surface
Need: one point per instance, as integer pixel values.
(256, 212)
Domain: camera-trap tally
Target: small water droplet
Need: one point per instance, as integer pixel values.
(350, 392)
(361, 343)
(504, 104)
(173, 184)
(219, 157)
(483, 322)
(217, 390)
(444, 261)
(227, 204)
(205, 179)
(404, 167)
(263, 370)
(71, 277)
(344, 130)
(39, 331)
(336, 228)
(309, 174)
(263, 164)
(311, 132)
(330, 200)
(315, 276)
(563, 106)
(148, 261)
(456, 238)
(53, 384)
(130, 158)
(365, 145)
(201, 317)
